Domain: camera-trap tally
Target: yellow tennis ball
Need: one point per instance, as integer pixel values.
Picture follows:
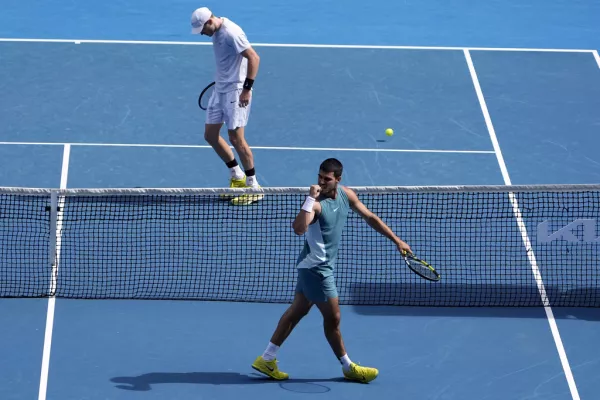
(389, 131)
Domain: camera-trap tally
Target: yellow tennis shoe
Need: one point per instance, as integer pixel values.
(247, 199)
(269, 368)
(234, 183)
(360, 374)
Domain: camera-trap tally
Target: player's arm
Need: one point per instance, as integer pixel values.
(310, 209)
(253, 63)
(243, 47)
(374, 221)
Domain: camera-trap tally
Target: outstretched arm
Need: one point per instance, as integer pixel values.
(374, 221)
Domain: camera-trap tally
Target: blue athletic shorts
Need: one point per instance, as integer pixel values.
(315, 285)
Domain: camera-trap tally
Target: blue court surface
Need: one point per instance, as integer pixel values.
(104, 96)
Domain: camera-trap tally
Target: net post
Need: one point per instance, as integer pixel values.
(52, 259)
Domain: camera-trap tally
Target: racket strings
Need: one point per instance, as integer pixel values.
(422, 269)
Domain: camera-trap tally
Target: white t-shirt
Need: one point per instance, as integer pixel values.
(228, 43)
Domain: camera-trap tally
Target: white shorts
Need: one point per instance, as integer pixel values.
(225, 108)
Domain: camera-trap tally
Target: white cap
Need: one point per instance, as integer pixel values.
(199, 18)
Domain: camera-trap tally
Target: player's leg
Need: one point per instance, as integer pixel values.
(239, 143)
(215, 118)
(330, 309)
(213, 137)
(290, 318)
(236, 118)
(267, 362)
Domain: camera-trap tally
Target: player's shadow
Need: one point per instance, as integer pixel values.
(145, 382)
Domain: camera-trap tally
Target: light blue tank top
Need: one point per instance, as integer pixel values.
(323, 236)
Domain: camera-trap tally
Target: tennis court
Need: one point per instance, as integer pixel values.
(104, 96)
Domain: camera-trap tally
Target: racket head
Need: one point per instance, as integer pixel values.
(421, 267)
(205, 96)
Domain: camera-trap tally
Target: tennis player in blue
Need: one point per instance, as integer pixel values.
(322, 219)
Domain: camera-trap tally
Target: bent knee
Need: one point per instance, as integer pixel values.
(333, 320)
(211, 133)
(236, 138)
(209, 138)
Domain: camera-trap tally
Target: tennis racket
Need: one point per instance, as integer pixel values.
(205, 96)
(421, 267)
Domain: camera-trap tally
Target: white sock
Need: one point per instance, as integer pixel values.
(251, 181)
(345, 360)
(236, 172)
(270, 352)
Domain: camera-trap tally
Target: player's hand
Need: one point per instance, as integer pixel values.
(315, 190)
(245, 97)
(403, 247)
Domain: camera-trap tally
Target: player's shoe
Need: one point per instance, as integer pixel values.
(234, 183)
(247, 199)
(360, 374)
(269, 368)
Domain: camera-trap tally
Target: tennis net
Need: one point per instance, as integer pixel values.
(493, 245)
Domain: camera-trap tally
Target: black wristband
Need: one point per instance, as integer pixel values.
(248, 83)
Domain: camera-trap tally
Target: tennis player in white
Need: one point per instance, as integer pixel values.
(231, 101)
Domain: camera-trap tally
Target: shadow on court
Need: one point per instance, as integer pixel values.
(573, 313)
(146, 381)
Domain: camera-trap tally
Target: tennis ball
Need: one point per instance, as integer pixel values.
(389, 131)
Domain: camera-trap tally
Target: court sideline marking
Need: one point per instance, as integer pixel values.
(54, 259)
(522, 228)
(301, 45)
(597, 57)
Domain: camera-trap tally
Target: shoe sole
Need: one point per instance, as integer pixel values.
(247, 204)
(272, 377)
(360, 380)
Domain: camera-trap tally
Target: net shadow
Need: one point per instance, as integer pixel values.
(486, 300)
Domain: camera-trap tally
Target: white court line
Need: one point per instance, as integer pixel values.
(191, 146)
(597, 57)
(299, 45)
(525, 237)
(55, 263)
